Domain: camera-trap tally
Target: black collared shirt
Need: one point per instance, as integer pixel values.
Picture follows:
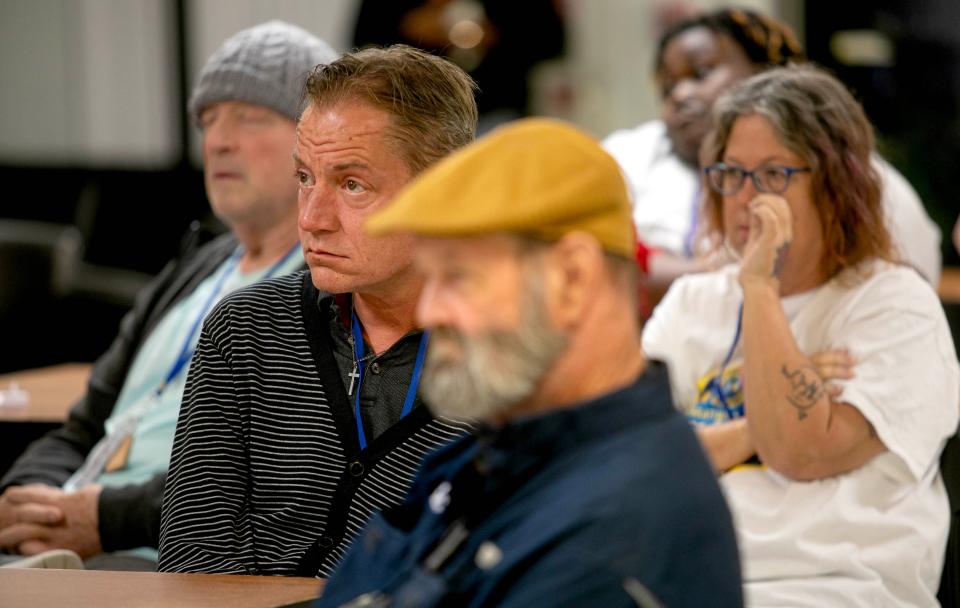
(267, 434)
(386, 377)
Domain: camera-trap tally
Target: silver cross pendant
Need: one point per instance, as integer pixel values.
(353, 376)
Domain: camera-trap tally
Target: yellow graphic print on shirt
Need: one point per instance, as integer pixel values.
(719, 399)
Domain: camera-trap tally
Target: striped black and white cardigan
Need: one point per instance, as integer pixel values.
(266, 475)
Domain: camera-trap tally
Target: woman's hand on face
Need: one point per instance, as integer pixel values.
(771, 230)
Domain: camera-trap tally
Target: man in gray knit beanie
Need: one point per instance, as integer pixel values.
(265, 65)
(95, 485)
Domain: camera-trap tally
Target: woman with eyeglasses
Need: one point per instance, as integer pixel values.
(830, 462)
(697, 59)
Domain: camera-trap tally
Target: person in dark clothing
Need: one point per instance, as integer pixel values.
(95, 485)
(584, 486)
(497, 42)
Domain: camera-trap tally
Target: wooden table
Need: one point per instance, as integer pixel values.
(52, 390)
(39, 588)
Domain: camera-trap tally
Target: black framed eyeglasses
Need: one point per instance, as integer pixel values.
(727, 179)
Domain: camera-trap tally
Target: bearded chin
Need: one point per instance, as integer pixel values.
(485, 376)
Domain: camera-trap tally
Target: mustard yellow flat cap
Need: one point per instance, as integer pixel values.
(536, 177)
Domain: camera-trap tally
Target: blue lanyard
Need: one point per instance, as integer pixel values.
(688, 240)
(717, 383)
(186, 352)
(358, 361)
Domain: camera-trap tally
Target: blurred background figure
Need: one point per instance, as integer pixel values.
(497, 42)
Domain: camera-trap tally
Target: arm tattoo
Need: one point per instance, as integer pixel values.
(806, 389)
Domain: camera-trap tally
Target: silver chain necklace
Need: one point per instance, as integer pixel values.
(355, 374)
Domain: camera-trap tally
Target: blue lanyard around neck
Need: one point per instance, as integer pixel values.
(358, 361)
(689, 240)
(717, 383)
(186, 351)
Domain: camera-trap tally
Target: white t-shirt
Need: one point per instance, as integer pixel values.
(871, 537)
(665, 191)
(666, 199)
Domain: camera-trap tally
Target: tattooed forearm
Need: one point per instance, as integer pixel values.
(806, 388)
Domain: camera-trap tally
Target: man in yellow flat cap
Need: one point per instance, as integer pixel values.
(584, 486)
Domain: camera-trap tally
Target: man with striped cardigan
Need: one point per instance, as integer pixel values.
(301, 415)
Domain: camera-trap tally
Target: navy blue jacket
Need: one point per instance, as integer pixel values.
(610, 503)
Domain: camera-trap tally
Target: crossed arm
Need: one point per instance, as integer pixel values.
(793, 422)
(797, 429)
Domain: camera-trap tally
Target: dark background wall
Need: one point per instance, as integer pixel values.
(913, 101)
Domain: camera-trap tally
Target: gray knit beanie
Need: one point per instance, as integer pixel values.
(265, 65)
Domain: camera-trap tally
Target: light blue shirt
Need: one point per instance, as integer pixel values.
(153, 436)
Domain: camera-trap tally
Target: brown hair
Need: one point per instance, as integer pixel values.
(429, 99)
(815, 117)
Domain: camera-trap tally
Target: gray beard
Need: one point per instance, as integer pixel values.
(484, 376)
